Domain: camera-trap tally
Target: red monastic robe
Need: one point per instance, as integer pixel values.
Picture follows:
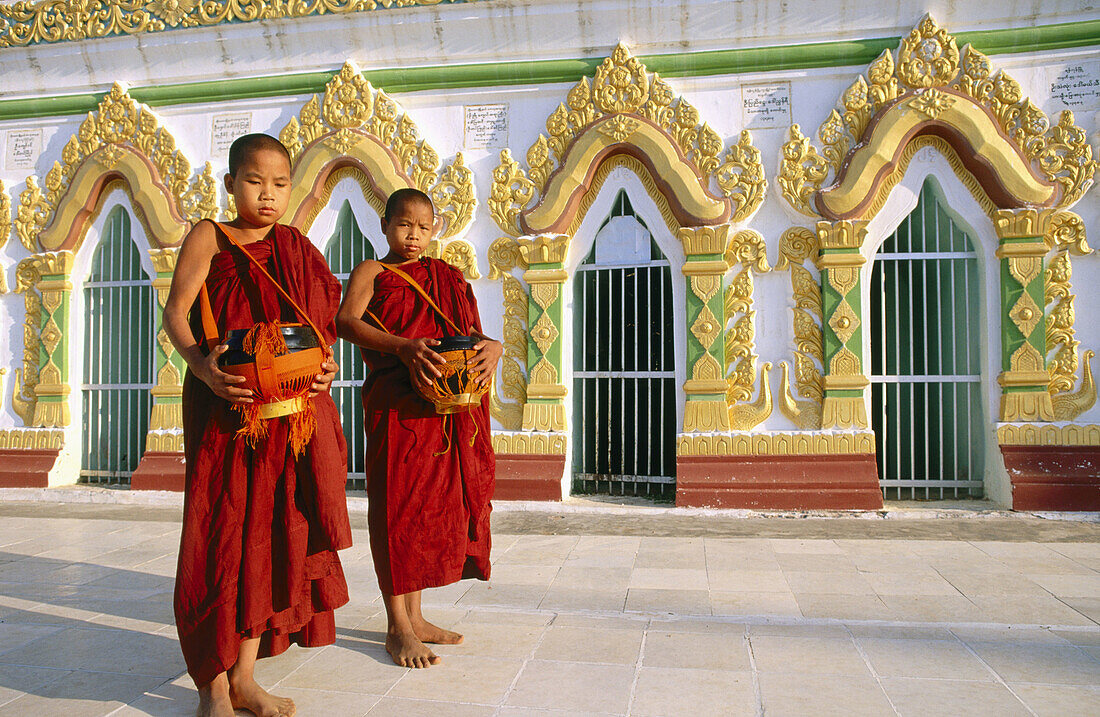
(260, 528)
(428, 514)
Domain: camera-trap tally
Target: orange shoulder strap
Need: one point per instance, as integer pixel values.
(420, 290)
(210, 329)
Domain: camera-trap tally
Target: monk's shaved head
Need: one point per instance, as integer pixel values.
(401, 197)
(245, 145)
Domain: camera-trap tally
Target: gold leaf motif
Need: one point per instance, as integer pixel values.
(843, 278)
(621, 83)
(740, 177)
(707, 368)
(544, 373)
(544, 333)
(1067, 231)
(746, 416)
(514, 382)
(705, 286)
(1026, 359)
(33, 214)
(5, 217)
(1024, 269)
(460, 254)
(511, 192)
(844, 363)
(545, 294)
(504, 256)
(928, 56)
(747, 248)
(1066, 158)
(802, 172)
(796, 246)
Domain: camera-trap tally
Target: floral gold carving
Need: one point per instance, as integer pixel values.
(5, 216)
(706, 327)
(844, 322)
(746, 250)
(928, 56)
(29, 22)
(1068, 406)
(545, 333)
(933, 78)
(119, 126)
(616, 103)
(798, 249)
(504, 257)
(460, 254)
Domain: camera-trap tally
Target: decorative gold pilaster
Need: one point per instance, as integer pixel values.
(1025, 383)
(504, 258)
(840, 261)
(798, 248)
(166, 419)
(52, 392)
(545, 256)
(746, 249)
(706, 409)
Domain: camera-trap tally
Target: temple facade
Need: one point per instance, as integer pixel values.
(740, 254)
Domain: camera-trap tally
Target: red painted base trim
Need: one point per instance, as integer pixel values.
(527, 477)
(778, 482)
(159, 471)
(26, 468)
(1053, 477)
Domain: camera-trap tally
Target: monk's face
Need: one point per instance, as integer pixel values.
(261, 187)
(409, 230)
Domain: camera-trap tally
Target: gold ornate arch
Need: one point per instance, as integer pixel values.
(1002, 146)
(626, 110)
(358, 131)
(121, 141)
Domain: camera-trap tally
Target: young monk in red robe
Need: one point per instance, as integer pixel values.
(430, 477)
(258, 568)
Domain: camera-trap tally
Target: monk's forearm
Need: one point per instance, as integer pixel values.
(179, 333)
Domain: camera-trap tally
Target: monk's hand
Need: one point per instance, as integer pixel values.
(421, 360)
(487, 353)
(221, 383)
(323, 381)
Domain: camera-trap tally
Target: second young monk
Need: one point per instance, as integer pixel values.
(429, 477)
(263, 514)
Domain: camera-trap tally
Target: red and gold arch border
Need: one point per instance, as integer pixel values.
(356, 131)
(120, 145)
(624, 116)
(1024, 168)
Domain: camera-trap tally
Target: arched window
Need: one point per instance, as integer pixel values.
(926, 358)
(624, 387)
(118, 356)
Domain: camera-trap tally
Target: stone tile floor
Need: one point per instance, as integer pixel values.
(612, 616)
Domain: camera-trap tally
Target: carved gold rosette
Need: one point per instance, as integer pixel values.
(504, 258)
(356, 123)
(124, 137)
(27, 22)
(1047, 162)
(798, 250)
(745, 250)
(624, 105)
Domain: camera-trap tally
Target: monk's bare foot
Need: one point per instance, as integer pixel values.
(407, 650)
(434, 634)
(214, 702)
(248, 695)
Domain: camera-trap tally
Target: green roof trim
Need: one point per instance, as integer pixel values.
(500, 74)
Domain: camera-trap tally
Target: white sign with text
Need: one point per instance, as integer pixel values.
(485, 126)
(766, 106)
(226, 128)
(22, 148)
